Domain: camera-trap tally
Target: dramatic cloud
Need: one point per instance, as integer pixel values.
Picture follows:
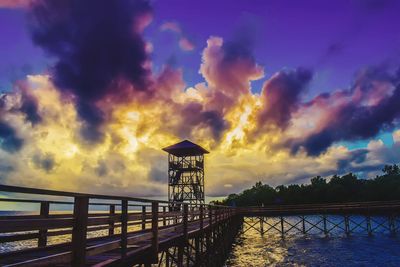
(9, 141)
(370, 106)
(14, 3)
(96, 45)
(281, 96)
(184, 43)
(29, 105)
(229, 67)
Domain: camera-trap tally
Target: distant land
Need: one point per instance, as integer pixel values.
(346, 188)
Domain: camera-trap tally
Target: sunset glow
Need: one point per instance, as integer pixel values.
(95, 118)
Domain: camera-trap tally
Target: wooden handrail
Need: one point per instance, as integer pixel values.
(29, 190)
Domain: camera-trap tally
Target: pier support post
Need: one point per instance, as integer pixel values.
(167, 258)
(197, 249)
(184, 241)
(369, 228)
(44, 213)
(79, 231)
(324, 220)
(346, 225)
(392, 226)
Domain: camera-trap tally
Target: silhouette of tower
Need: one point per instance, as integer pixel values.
(186, 172)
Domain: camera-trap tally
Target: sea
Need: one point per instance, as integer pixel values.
(316, 249)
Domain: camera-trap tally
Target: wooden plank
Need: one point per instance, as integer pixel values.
(103, 220)
(79, 232)
(8, 226)
(18, 237)
(28, 190)
(50, 260)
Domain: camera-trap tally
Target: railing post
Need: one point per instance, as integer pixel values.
(111, 224)
(124, 226)
(143, 217)
(303, 224)
(262, 225)
(185, 223)
(201, 218)
(154, 230)
(79, 231)
(282, 228)
(44, 213)
(210, 215)
(164, 215)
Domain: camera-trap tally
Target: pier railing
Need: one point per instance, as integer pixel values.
(90, 224)
(371, 207)
(76, 229)
(347, 218)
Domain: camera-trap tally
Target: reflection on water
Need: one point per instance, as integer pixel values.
(252, 249)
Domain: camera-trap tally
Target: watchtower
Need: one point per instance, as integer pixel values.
(186, 172)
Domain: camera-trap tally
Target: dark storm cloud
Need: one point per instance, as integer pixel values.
(195, 115)
(45, 162)
(157, 174)
(101, 169)
(281, 96)
(357, 156)
(241, 46)
(9, 141)
(29, 107)
(3, 101)
(356, 120)
(95, 43)
(376, 5)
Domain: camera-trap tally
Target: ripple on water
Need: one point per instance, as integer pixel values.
(252, 249)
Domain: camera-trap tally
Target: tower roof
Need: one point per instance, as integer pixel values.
(185, 148)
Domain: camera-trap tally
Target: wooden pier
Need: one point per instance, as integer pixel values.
(74, 229)
(133, 231)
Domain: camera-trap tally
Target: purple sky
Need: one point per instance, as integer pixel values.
(347, 50)
(334, 38)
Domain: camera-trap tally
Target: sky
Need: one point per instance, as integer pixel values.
(277, 91)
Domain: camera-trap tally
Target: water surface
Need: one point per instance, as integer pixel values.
(315, 249)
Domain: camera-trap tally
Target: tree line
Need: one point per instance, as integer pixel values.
(346, 188)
